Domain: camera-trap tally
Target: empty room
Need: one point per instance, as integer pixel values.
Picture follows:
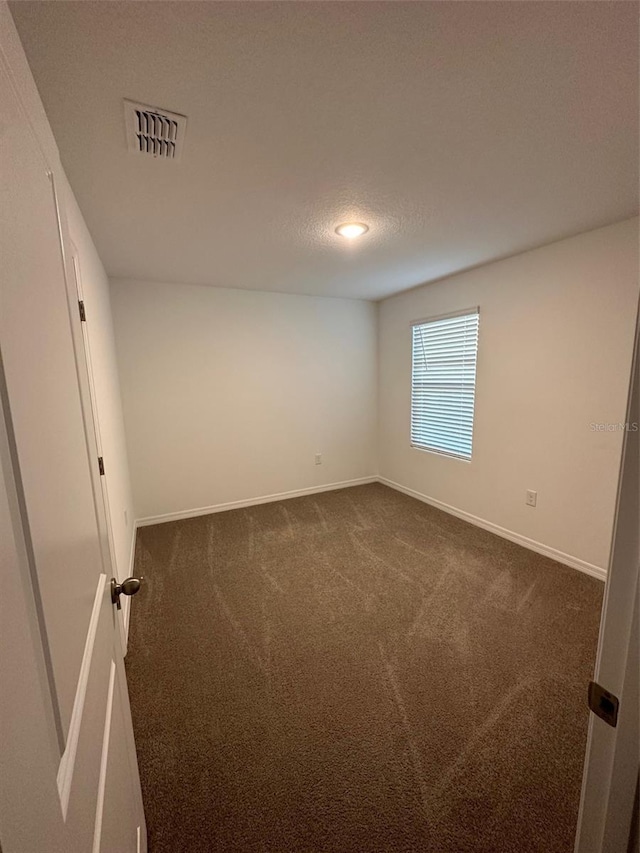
(320, 426)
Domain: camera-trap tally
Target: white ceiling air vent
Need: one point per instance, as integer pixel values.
(154, 132)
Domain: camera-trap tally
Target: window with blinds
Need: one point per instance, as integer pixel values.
(443, 383)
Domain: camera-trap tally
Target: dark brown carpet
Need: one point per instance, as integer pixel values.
(356, 671)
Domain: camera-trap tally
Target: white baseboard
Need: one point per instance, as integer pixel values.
(519, 539)
(264, 499)
(531, 544)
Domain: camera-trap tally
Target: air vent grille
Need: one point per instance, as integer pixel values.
(154, 132)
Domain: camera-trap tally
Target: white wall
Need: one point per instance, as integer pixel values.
(95, 291)
(556, 337)
(228, 394)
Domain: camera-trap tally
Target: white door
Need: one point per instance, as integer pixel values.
(67, 757)
(609, 786)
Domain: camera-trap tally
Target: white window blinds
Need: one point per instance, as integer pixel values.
(443, 383)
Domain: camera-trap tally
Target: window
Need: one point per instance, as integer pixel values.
(443, 383)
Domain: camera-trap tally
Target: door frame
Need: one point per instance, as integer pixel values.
(91, 412)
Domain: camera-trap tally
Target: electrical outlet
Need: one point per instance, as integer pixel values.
(318, 458)
(532, 498)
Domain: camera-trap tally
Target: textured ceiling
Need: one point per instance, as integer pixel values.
(461, 132)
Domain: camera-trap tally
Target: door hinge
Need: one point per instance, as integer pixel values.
(604, 704)
(101, 465)
(83, 313)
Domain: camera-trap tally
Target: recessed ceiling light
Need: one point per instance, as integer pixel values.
(352, 229)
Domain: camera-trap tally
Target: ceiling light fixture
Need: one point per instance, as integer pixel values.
(350, 230)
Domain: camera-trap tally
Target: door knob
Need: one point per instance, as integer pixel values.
(128, 587)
